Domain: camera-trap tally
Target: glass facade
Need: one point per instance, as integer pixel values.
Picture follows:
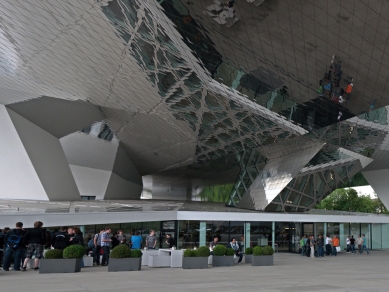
(282, 236)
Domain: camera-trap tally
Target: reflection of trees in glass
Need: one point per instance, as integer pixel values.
(348, 200)
(217, 193)
(357, 181)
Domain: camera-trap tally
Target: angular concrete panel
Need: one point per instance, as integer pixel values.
(379, 181)
(49, 161)
(18, 178)
(120, 189)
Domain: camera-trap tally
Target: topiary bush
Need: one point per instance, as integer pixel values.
(74, 251)
(190, 253)
(268, 250)
(121, 251)
(219, 250)
(249, 250)
(54, 254)
(257, 251)
(136, 253)
(203, 251)
(230, 252)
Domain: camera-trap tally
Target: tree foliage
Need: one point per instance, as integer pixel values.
(216, 193)
(348, 200)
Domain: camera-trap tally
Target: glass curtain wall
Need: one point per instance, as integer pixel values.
(376, 236)
(385, 235)
(365, 229)
(188, 234)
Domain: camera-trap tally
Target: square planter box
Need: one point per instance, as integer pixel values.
(248, 258)
(195, 263)
(222, 261)
(262, 260)
(126, 264)
(48, 266)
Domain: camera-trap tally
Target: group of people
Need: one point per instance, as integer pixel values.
(20, 244)
(102, 242)
(315, 247)
(233, 244)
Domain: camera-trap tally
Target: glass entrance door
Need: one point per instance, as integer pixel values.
(308, 229)
(167, 227)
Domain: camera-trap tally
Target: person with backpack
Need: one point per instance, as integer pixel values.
(97, 246)
(35, 238)
(60, 240)
(14, 247)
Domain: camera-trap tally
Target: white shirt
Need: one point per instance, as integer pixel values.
(328, 240)
(347, 240)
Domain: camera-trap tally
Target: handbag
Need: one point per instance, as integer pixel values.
(338, 248)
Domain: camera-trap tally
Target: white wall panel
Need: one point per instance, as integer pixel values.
(379, 181)
(46, 154)
(121, 189)
(91, 181)
(18, 179)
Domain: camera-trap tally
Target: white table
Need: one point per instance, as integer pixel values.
(175, 256)
(146, 254)
(88, 261)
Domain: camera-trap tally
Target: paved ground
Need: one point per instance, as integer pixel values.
(290, 272)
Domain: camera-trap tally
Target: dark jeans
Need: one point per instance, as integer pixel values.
(240, 255)
(352, 248)
(320, 251)
(96, 254)
(328, 249)
(105, 259)
(17, 253)
(334, 251)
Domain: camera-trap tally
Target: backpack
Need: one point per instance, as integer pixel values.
(60, 241)
(14, 240)
(91, 243)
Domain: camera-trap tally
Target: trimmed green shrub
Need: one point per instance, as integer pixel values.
(121, 251)
(54, 254)
(203, 251)
(136, 253)
(257, 251)
(268, 250)
(219, 250)
(230, 252)
(190, 253)
(249, 250)
(74, 251)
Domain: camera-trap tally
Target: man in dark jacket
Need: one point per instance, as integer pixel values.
(34, 239)
(14, 247)
(60, 240)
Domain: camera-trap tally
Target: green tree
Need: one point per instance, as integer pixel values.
(216, 193)
(348, 200)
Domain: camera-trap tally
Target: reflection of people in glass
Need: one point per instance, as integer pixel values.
(213, 244)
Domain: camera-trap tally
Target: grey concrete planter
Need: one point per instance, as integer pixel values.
(195, 263)
(248, 258)
(48, 266)
(222, 261)
(262, 260)
(126, 264)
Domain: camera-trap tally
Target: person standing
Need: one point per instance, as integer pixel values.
(352, 244)
(14, 247)
(78, 237)
(105, 245)
(169, 240)
(136, 240)
(97, 246)
(320, 246)
(60, 240)
(302, 246)
(312, 245)
(364, 244)
(348, 244)
(360, 242)
(328, 245)
(335, 244)
(34, 239)
(151, 240)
